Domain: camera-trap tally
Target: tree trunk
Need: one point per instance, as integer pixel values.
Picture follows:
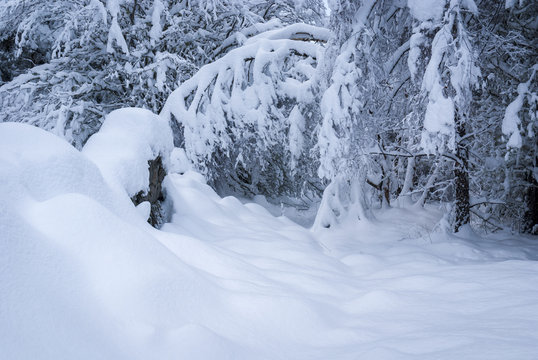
(134, 12)
(385, 183)
(530, 220)
(461, 174)
(405, 197)
(429, 186)
(155, 194)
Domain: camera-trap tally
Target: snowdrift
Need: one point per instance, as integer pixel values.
(79, 264)
(127, 140)
(82, 274)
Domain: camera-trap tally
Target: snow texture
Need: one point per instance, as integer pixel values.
(454, 55)
(156, 28)
(511, 120)
(511, 125)
(114, 33)
(296, 139)
(82, 275)
(225, 100)
(302, 32)
(416, 43)
(127, 140)
(424, 10)
(438, 122)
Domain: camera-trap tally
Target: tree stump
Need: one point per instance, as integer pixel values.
(155, 195)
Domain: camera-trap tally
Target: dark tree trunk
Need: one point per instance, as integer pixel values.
(530, 221)
(155, 194)
(133, 13)
(461, 174)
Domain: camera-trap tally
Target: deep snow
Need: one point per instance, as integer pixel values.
(82, 275)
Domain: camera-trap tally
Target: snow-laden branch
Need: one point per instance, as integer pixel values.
(248, 95)
(302, 32)
(511, 122)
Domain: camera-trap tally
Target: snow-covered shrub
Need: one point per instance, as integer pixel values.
(38, 166)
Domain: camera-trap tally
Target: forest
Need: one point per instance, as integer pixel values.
(309, 162)
(380, 103)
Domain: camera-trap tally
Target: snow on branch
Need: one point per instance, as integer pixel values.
(302, 32)
(238, 38)
(511, 124)
(273, 30)
(247, 96)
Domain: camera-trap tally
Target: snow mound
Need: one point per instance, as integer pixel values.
(38, 166)
(83, 276)
(127, 140)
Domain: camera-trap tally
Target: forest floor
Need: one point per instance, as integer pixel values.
(83, 276)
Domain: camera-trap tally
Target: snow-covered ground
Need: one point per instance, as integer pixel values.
(83, 276)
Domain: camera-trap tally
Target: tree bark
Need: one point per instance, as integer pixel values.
(405, 198)
(530, 220)
(461, 174)
(154, 195)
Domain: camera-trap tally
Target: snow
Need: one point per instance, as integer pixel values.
(298, 31)
(82, 275)
(127, 140)
(156, 28)
(114, 32)
(98, 5)
(232, 98)
(239, 38)
(438, 122)
(296, 139)
(426, 10)
(415, 42)
(511, 121)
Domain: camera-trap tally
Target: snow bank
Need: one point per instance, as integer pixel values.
(39, 165)
(127, 140)
(83, 276)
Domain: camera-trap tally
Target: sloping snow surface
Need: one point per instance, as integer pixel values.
(83, 276)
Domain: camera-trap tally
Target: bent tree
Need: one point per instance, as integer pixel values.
(246, 119)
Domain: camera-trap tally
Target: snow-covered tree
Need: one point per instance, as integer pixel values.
(406, 102)
(247, 118)
(502, 181)
(520, 124)
(99, 55)
(364, 87)
(448, 80)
